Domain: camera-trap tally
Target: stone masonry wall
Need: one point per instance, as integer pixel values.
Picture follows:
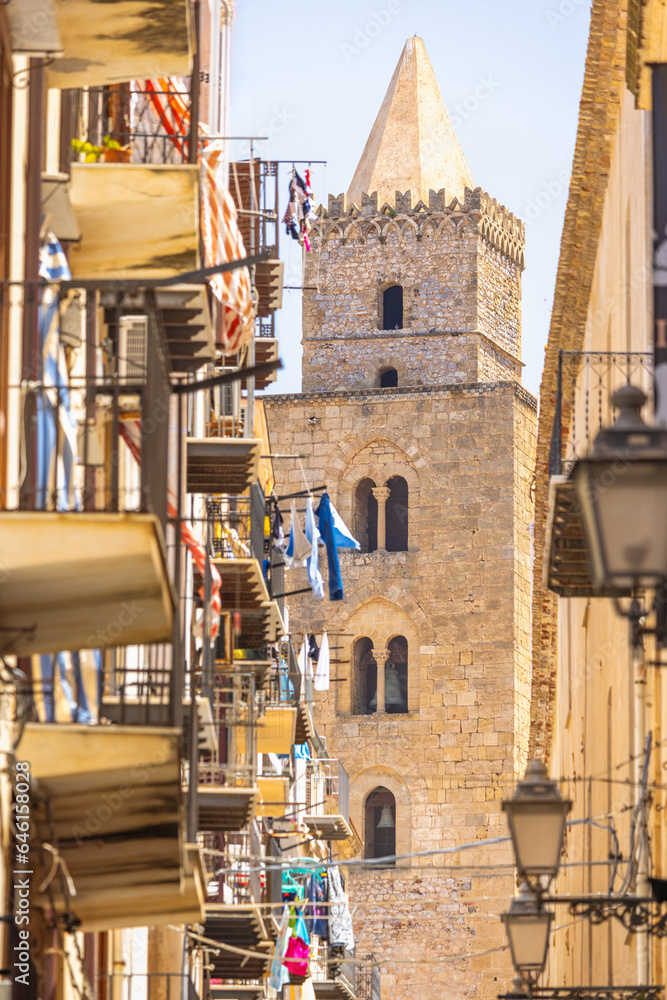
(460, 595)
(459, 267)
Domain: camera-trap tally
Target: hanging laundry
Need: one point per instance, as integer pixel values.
(321, 682)
(278, 974)
(316, 894)
(296, 957)
(326, 527)
(298, 547)
(340, 919)
(312, 534)
(342, 534)
(313, 648)
(302, 659)
(299, 215)
(277, 531)
(302, 751)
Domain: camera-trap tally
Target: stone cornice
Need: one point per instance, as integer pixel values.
(415, 334)
(453, 389)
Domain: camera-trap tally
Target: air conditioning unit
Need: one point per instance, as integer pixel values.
(132, 349)
(227, 397)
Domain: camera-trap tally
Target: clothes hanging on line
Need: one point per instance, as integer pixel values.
(316, 894)
(312, 534)
(277, 531)
(333, 538)
(340, 920)
(298, 547)
(299, 216)
(321, 680)
(296, 957)
(278, 974)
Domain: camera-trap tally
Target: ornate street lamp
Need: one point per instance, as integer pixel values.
(527, 926)
(536, 816)
(621, 487)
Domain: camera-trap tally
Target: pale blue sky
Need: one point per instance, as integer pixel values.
(313, 77)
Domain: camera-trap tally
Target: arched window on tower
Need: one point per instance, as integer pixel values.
(366, 516)
(388, 378)
(396, 515)
(365, 677)
(396, 675)
(392, 308)
(380, 825)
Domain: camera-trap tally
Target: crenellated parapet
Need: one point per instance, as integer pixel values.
(478, 212)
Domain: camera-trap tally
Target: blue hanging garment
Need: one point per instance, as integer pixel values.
(326, 527)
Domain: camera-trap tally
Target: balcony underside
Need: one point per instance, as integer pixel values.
(186, 322)
(261, 669)
(242, 585)
(78, 580)
(260, 626)
(222, 465)
(304, 725)
(226, 809)
(275, 731)
(266, 349)
(116, 805)
(230, 992)
(566, 566)
(136, 221)
(240, 925)
(119, 41)
(333, 827)
(333, 989)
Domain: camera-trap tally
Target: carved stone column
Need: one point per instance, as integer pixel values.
(381, 493)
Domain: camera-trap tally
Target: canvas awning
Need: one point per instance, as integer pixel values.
(75, 580)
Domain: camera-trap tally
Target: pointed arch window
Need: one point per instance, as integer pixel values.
(396, 515)
(392, 308)
(366, 516)
(380, 825)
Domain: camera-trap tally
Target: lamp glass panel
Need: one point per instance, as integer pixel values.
(529, 937)
(537, 833)
(625, 516)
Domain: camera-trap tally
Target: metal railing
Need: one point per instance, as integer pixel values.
(327, 789)
(233, 873)
(145, 986)
(367, 978)
(586, 383)
(137, 685)
(236, 527)
(233, 759)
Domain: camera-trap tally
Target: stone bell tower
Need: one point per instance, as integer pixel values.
(413, 414)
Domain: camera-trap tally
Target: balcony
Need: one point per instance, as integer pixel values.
(327, 810)
(111, 801)
(104, 43)
(72, 580)
(227, 792)
(586, 382)
(222, 464)
(333, 977)
(138, 221)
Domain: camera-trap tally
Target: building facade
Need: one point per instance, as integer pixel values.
(598, 703)
(413, 416)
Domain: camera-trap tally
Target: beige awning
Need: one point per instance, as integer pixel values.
(136, 220)
(274, 792)
(275, 731)
(75, 580)
(116, 815)
(222, 465)
(120, 41)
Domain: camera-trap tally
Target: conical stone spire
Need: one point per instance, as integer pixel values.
(412, 145)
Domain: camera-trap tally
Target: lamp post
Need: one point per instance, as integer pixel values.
(621, 486)
(527, 926)
(536, 816)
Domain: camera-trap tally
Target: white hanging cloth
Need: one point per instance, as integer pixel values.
(321, 682)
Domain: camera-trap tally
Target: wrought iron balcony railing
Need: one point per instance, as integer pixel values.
(586, 383)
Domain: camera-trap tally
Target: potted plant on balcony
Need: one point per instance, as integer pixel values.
(110, 151)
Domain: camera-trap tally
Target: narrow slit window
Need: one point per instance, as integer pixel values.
(392, 308)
